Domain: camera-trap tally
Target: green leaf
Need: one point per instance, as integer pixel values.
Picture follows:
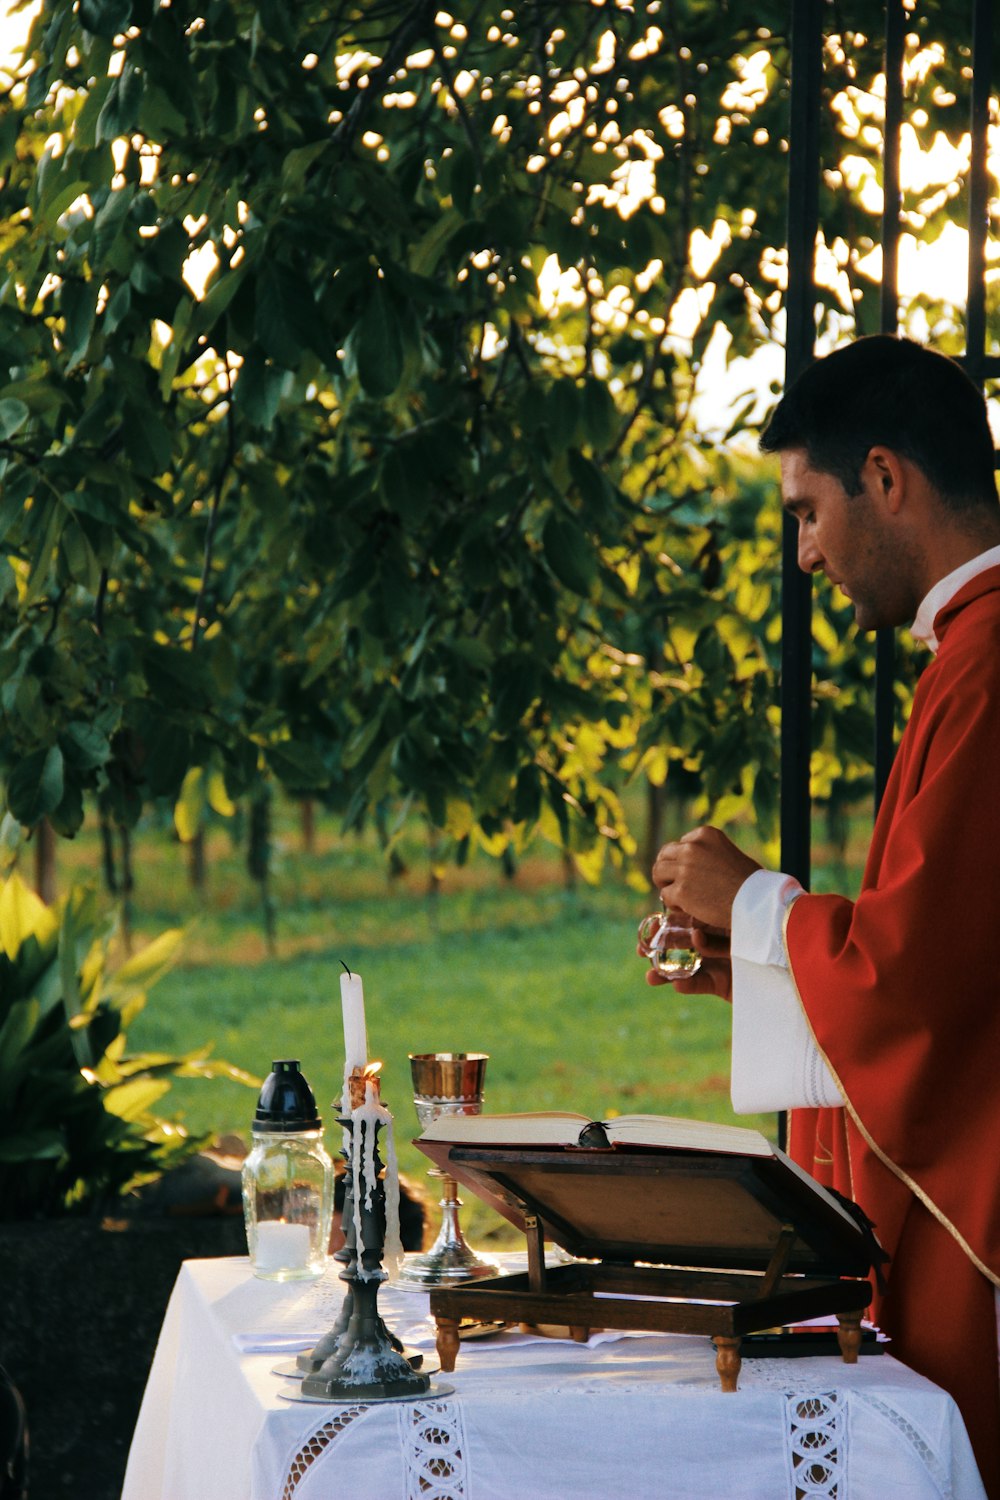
(360, 742)
(35, 786)
(591, 483)
(148, 440)
(428, 250)
(108, 223)
(258, 390)
(13, 415)
(569, 554)
(472, 650)
(563, 409)
(142, 970)
(84, 745)
(299, 767)
(54, 206)
(40, 1144)
(23, 916)
(286, 314)
(190, 805)
(403, 482)
(79, 558)
(105, 18)
(41, 558)
(78, 301)
(600, 416)
(133, 1100)
(378, 346)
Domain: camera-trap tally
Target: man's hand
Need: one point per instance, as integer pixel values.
(701, 873)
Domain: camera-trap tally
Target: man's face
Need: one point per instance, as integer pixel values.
(849, 538)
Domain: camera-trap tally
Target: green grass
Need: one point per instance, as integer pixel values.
(542, 977)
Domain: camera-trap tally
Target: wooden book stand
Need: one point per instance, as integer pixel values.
(675, 1241)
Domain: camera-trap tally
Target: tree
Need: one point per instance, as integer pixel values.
(346, 404)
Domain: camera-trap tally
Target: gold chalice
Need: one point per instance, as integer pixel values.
(446, 1083)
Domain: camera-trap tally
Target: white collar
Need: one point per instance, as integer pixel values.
(945, 590)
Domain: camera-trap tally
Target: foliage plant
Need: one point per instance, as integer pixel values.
(348, 363)
(78, 1127)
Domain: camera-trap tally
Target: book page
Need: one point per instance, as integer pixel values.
(563, 1129)
(560, 1128)
(687, 1135)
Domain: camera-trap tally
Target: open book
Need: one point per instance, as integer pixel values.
(564, 1129)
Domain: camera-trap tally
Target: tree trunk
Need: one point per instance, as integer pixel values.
(197, 863)
(45, 861)
(308, 810)
(655, 807)
(109, 868)
(127, 885)
(259, 852)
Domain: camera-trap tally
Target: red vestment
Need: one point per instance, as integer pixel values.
(901, 989)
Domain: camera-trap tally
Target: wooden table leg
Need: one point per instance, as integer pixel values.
(447, 1341)
(849, 1336)
(728, 1360)
(578, 1334)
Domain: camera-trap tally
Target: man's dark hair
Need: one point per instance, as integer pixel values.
(891, 392)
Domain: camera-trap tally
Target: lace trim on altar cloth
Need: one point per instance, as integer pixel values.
(315, 1446)
(817, 1445)
(434, 1450)
(435, 1459)
(928, 1457)
(817, 1437)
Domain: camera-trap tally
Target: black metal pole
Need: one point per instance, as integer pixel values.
(975, 314)
(885, 640)
(800, 328)
(796, 586)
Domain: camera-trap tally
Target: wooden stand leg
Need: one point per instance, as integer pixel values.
(447, 1342)
(728, 1361)
(578, 1334)
(849, 1336)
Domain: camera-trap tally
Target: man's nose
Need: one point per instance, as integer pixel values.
(810, 558)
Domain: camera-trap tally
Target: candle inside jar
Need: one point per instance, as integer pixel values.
(281, 1246)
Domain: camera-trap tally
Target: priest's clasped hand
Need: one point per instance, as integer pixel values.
(701, 873)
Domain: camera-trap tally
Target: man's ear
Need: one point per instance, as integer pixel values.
(884, 475)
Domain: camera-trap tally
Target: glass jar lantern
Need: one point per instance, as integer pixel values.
(287, 1181)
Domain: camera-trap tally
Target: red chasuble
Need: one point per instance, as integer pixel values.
(902, 991)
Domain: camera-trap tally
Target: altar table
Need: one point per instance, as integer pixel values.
(526, 1418)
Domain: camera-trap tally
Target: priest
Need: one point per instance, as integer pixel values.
(877, 1021)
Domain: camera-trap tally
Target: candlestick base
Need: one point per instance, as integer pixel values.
(365, 1366)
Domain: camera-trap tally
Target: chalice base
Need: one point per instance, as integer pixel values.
(449, 1266)
(450, 1261)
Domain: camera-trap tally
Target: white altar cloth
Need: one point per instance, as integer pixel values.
(539, 1419)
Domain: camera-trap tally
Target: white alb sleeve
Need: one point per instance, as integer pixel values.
(775, 1061)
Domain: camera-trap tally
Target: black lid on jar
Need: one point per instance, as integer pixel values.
(286, 1101)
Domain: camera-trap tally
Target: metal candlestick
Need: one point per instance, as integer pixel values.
(359, 1359)
(446, 1083)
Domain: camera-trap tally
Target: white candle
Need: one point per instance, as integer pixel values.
(352, 1000)
(372, 1114)
(281, 1246)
